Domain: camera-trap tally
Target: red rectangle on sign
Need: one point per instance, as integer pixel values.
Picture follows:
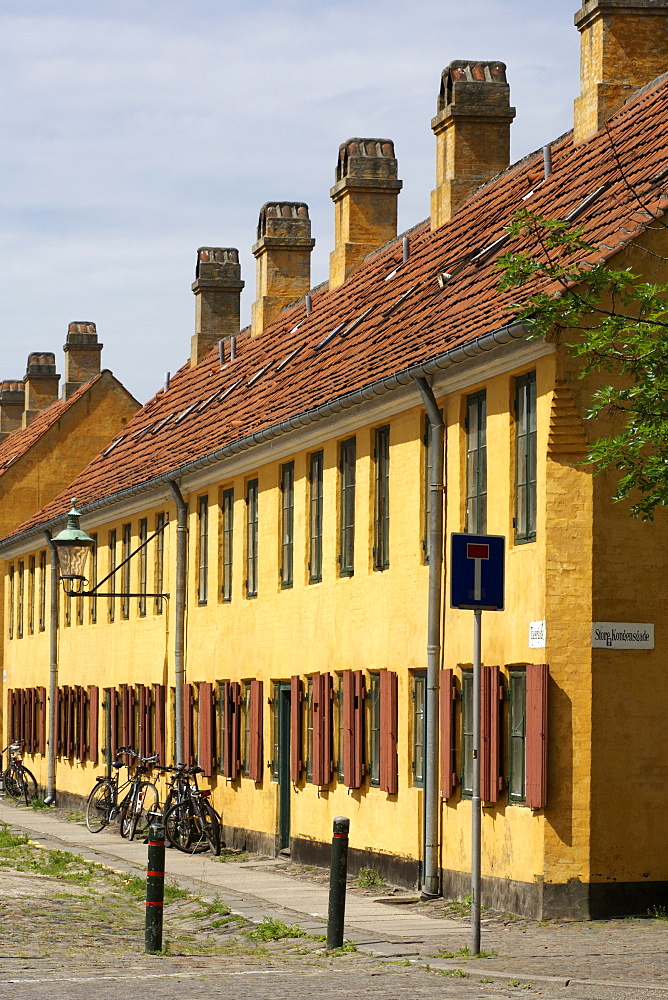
(474, 550)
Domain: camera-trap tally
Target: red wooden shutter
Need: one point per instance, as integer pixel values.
(113, 711)
(485, 716)
(389, 724)
(447, 696)
(536, 735)
(144, 736)
(22, 713)
(296, 736)
(235, 729)
(127, 729)
(82, 736)
(496, 726)
(490, 732)
(188, 748)
(159, 720)
(93, 722)
(316, 729)
(41, 720)
(327, 684)
(255, 770)
(205, 743)
(31, 696)
(11, 699)
(353, 728)
(71, 728)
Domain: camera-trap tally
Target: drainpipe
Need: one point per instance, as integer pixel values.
(180, 613)
(430, 881)
(50, 797)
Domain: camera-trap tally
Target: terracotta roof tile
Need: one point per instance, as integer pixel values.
(390, 325)
(22, 439)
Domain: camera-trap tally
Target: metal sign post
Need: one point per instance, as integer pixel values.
(477, 584)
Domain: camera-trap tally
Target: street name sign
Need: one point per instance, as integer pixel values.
(477, 572)
(622, 635)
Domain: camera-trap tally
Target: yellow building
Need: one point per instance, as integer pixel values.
(290, 476)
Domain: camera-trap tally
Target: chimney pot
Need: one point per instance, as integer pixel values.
(82, 356)
(217, 289)
(365, 203)
(472, 128)
(41, 384)
(283, 254)
(623, 47)
(12, 402)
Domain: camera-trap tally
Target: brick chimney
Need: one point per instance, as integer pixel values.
(41, 384)
(623, 46)
(365, 203)
(12, 402)
(82, 356)
(217, 289)
(283, 254)
(472, 128)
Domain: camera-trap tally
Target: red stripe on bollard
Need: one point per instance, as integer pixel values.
(153, 904)
(159, 874)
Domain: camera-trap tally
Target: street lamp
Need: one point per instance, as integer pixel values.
(73, 545)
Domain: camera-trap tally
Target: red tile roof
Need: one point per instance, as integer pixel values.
(21, 440)
(386, 324)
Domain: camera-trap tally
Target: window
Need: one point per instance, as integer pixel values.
(125, 576)
(31, 596)
(159, 560)
(251, 537)
(525, 458)
(12, 585)
(112, 567)
(427, 488)
(228, 526)
(381, 524)
(42, 590)
(202, 550)
(275, 729)
(517, 736)
(287, 523)
(467, 734)
(309, 729)
(476, 464)
(246, 734)
(143, 565)
(19, 610)
(373, 698)
(315, 517)
(93, 580)
(419, 719)
(347, 513)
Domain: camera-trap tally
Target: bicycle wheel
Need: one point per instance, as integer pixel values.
(29, 785)
(13, 782)
(179, 826)
(99, 806)
(145, 801)
(210, 826)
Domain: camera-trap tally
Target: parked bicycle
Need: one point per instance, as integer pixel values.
(20, 783)
(130, 801)
(191, 823)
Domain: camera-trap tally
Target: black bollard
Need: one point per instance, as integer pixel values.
(337, 882)
(155, 888)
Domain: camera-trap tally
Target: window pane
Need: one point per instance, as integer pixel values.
(467, 733)
(315, 514)
(419, 697)
(203, 550)
(476, 464)
(143, 535)
(525, 459)
(287, 523)
(347, 500)
(381, 549)
(373, 699)
(517, 732)
(228, 536)
(251, 538)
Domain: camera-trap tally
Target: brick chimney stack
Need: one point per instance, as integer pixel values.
(623, 46)
(41, 384)
(472, 128)
(283, 254)
(12, 402)
(217, 289)
(365, 203)
(82, 356)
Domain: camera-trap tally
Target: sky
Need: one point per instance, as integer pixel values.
(135, 132)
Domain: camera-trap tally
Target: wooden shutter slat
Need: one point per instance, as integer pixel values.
(93, 722)
(296, 737)
(205, 748)
(41, 724)
(447, 695)
(389, 722)
(255, 770)
(536, 735)
(159, 720)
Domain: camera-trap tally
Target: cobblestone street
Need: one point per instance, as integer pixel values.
(73, 924)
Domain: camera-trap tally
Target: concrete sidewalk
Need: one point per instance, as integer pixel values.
(617, 959)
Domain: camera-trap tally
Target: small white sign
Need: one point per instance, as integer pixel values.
(4, 676)
(537, 635)
(622, 635)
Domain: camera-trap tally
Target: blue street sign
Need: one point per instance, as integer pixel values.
(477, 572)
